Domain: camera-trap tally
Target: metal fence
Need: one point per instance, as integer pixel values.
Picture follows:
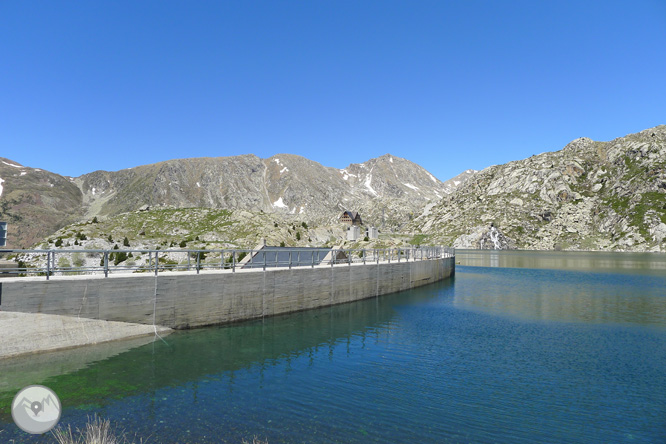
(63, 262)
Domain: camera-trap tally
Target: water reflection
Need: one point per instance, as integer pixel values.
(561, 295)
(21, 371)
(651, 263)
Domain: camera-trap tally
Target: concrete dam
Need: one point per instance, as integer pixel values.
(189, 299)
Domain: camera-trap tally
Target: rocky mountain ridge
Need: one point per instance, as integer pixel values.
(387, 191)
(588, 196)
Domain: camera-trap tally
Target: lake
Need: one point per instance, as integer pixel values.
(519, 347)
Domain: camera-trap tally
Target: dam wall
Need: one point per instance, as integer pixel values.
(186, 299)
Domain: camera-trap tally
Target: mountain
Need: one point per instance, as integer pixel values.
(284, 183)
(35, 202)
(588, 196)
(387, 191)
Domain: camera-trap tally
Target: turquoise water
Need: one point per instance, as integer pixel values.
(499, 354)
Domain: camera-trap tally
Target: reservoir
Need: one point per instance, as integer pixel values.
(518, 347)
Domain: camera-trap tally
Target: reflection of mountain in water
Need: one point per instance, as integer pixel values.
(565, 296)
(643, 263)
(191, 355)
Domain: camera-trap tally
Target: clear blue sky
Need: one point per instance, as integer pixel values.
(91, 85)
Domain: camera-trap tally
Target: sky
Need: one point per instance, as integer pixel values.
(449, 85)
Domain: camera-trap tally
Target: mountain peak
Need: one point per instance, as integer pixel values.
(588, 196)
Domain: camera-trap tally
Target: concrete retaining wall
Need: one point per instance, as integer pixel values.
(184, 299)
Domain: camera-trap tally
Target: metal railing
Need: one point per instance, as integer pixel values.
(63, 262)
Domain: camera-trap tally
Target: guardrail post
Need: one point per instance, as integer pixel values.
(333, 256)
(349, 257)
(233, 261)
(398, 254)
(106, 264)
(157, 261)
(48, 265)
(363, 256)
(265, 259)
(198, 261)
(289, 259)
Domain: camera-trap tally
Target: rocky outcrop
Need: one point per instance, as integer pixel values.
(484, 238)
(588, 196)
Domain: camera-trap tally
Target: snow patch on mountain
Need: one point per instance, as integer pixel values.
(346, 174)
(12, 165)
(367, 183)
(279, 203)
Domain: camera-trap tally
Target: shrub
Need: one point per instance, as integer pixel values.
(63, 262)
(119, 257)
(58, 242)
(94, 220)
(116, 247)
(282, 244)
(182, 244)
(298, 235)
(304, 225)
(97, 431)
(126, 242)
(110, 239)
(77, 258)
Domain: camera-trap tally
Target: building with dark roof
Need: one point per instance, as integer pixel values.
(351, 218)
